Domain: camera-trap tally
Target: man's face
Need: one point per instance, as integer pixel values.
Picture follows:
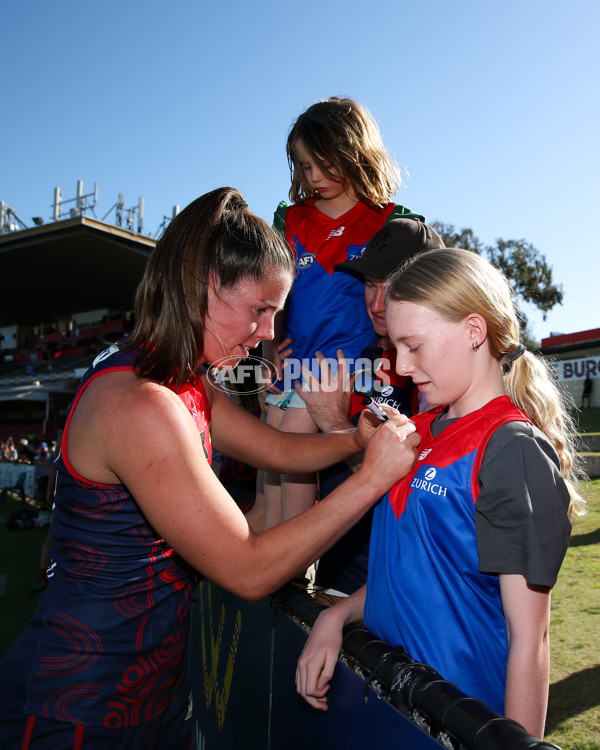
(375, 301)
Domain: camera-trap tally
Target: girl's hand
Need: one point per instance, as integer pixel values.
(318, 659)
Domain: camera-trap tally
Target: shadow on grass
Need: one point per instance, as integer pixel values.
(572, 696)
(580, 540)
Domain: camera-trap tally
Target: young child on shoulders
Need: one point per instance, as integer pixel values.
(342, 181)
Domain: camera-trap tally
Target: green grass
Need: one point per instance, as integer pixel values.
(19, 567)
(574, 706)
(588, 420)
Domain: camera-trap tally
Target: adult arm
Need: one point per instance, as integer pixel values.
(321, 651)
(328, 399)
(527, 612)
(242, 436)
(140, 434)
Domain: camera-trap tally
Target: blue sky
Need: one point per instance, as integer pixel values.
(492, 107)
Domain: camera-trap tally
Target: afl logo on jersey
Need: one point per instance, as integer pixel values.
(430, 474)
(306, 260)
(387, 390)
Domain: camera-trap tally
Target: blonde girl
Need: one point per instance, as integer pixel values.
(466, 548)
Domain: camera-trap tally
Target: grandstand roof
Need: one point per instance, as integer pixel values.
(52, 271)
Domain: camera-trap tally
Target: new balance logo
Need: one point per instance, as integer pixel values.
(336, 232)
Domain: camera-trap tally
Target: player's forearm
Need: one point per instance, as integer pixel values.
(306, 453)
(285, 550)
(331, 417)
(330, 421)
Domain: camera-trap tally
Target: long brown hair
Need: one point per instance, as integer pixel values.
(341, 132)
(215, 235)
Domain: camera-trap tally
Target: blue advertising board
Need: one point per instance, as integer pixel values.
(242, 662)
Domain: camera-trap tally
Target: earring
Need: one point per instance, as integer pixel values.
(475, 346)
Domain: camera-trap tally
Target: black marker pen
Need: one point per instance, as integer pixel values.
(377, 410)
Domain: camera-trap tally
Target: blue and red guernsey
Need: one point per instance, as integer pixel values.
(424, 588)
(106, 646)
(327, 310)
